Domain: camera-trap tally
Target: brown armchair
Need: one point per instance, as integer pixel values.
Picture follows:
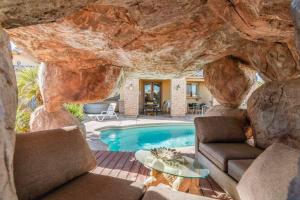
(220, 146)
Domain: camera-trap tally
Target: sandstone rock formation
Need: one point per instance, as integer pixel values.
(220, 110)
(59, 85)
(274, 112)
(227, 82)
(8, 103)
(24, 12)
(158, 39)
(43, 120)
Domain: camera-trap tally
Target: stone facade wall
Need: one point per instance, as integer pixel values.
(131, 97)
(178, 97)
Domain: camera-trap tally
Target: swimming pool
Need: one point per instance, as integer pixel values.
(149, 136)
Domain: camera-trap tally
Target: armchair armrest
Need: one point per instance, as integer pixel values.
(219, 129)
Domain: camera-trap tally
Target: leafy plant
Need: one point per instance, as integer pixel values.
(76, 110)
(22, 120)
(28, 88)
(29, 97)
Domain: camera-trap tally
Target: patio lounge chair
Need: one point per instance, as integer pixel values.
(109, 113)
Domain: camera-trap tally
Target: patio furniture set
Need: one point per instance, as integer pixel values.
(56, 164)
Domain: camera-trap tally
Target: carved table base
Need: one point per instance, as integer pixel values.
(190, 185)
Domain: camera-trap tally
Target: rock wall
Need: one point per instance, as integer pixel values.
(274, 112)
(59, 85)
(8, 104)
(228, 82)
(160, 39)
(43, 120)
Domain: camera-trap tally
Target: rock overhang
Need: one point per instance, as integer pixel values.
(164, 39)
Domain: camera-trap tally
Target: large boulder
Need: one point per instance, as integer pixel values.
(274, 113)
(273, 61)
(8, 104)
(59, 86)
(43, 120)
(228, 82)
(220, 110)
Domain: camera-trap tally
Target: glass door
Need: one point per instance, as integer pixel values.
(152, 96)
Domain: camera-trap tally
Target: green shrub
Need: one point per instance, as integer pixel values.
(28, 88)
(76, 110)
(22, 120)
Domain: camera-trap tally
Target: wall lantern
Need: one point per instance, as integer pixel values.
(131, 86)
(177, 87)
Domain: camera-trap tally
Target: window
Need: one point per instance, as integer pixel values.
(192, 90)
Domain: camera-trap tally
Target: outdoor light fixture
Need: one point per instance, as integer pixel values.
(178, 87)
(131, 86)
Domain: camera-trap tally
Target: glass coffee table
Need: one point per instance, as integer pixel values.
(185, 178)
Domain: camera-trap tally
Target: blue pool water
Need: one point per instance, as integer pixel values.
(147, 137)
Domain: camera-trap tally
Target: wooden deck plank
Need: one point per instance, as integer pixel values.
(126, 169)
(112, 164)
(99, 160)
(132, 175)
(103, 165)
(142, 174)
(206, 188)
(124, 165)
(121, 163)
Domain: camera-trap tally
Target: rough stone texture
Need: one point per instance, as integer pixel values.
(273, 62)
(220, 110)
(8, 103)
(228, 82)
(131, 97)
(153, 39)
(43, 120)
(294, 192)
(59, 86)
(274, 112)
(295, 9)
(255, 20)
(15, 13)
(178, 97)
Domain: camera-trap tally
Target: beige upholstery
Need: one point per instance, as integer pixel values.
(97, 187)
(236, 168)
(47, 159)
(219, 129)
(269, 176)
(163, 193)
(220, 153)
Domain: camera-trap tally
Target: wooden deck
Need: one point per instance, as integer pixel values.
(124, 165)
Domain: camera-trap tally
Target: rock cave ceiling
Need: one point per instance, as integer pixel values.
(156, 39)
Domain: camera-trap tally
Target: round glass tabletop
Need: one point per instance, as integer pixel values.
(189, 170)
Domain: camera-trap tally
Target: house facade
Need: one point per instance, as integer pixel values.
(167, 96)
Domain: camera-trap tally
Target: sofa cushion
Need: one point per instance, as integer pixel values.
(219, 129)
(97, 187)
(270, 175)
(220, 153)
(46, 159)
(236, 168)
(164, 193)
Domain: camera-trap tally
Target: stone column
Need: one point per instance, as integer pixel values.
(178, 97)
(8, 104)
(131, 97)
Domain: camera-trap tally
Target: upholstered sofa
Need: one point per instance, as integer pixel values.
(220, 146)
(56, 165)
